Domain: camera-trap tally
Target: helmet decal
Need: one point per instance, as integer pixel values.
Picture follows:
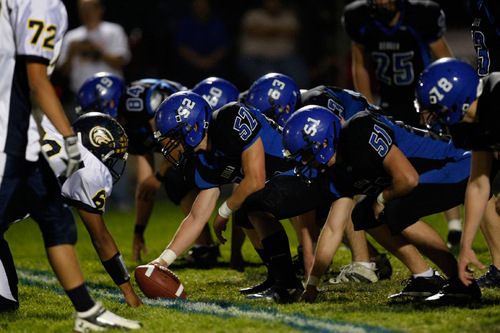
(99, 136)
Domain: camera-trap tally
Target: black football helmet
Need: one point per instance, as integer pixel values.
(385, 11)
(105, 138)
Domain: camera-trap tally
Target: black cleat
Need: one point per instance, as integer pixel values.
(384, 267)
(491, 279)
(421, 286)
(203, 255)
(258, 288)
(454, 290)
(280, 294)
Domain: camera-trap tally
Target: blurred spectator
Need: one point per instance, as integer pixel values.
(95, 46)
(269, 43)
(203, 43)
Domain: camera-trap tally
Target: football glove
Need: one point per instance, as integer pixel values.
(71, 146)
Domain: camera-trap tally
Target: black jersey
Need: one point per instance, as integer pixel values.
(233, 129)
(343, 102)
(484, 134)
(486, 35)
(398, 54)
(366, 139)
(137, 107)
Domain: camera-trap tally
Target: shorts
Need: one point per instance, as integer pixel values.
(400, 213)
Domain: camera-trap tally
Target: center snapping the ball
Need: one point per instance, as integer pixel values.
(159, 282)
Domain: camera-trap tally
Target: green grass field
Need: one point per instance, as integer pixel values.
(213, 303)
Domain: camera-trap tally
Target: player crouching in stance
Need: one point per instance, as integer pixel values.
(363, 159)
(103, 147)
(450, 93)
(235, 144)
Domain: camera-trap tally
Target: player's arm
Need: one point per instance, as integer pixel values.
(476, 200)
(44, 94)
(404, 178)
(109, 254)
(191, 226)
(328, 243)
(440, 48)
(360, 75)
(254, 169)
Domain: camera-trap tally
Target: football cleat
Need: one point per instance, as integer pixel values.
(298, 262)
(421, 286)
(491, 279)
(384, 267)
(280, 294)
(258, 288)
(203, 255)
(100, 319)
(455, 290)
(355, 272)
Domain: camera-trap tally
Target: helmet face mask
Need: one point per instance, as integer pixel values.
(104, 138)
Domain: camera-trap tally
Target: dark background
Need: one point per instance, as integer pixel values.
(323, 43)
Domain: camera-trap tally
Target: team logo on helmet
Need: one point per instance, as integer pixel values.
(100, 136)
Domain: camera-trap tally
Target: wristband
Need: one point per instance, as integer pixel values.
(159, 177)
(168, 256)
(225, 211)
(380, 199)
(313, 281)
(139, 229)
(116, 269)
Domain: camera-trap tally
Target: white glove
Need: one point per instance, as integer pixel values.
(71, 146)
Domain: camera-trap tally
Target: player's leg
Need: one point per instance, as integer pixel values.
(490, 227)
(454, 221)
(42, 196)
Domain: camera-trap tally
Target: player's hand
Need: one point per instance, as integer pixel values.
(74, 158)
(158, 262)
(138, 246)
(310, 294)
(220, 224)
(132, 299)
(467, 257)
(147, 188)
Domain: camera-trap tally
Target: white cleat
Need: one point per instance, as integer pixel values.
(100, 319)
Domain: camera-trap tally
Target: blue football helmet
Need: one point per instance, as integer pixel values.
(105, 138)
(446, 88)
(101, 92)
(276, 95)
(183, 118)
(310, 137)
(217, 91)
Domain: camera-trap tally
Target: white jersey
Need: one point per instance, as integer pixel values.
(30, 30)
(110, 37)
(90, 185)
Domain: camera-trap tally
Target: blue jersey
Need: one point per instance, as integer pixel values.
(343, 102)
(366, 139)
(233, 129)
(137, 107)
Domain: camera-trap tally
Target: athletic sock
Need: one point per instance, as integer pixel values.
(80, 298)
(280, 258)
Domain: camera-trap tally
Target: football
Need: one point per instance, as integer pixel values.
(159, 282)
